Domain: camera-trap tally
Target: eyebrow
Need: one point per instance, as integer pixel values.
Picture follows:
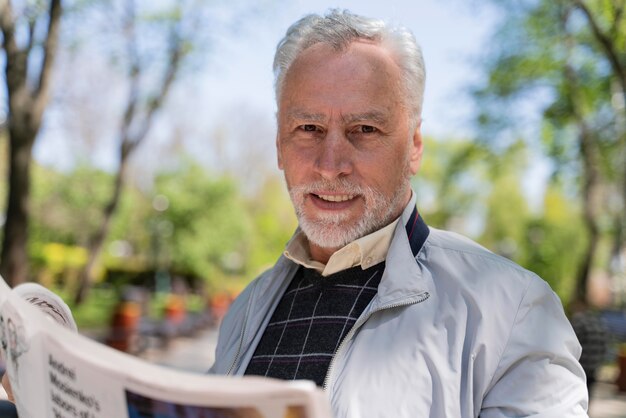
(376, 116)
(299, 114)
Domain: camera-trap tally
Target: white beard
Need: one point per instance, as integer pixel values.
(332, 230)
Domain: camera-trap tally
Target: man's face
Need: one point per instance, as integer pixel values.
(345, 143)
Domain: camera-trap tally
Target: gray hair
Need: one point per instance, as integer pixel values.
(338, 29)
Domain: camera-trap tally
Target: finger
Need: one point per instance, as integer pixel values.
(6, 384)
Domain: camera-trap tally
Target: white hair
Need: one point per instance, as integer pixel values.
(339, 28)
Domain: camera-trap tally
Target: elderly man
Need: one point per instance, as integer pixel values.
(393, 318)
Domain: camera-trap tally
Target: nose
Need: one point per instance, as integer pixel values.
(334, 158)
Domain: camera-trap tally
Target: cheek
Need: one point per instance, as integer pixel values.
(296, 161)
(389, 178)
(294, 169)
(382, 169)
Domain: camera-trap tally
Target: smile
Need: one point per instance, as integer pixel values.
(336, 198)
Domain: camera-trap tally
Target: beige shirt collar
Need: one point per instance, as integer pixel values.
(366, 251)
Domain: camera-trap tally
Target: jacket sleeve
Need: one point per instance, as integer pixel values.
(538, 374)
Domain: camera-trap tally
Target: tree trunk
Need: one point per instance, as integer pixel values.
(590, 176)
(14, 264)
(88, 273)
(590, 179)
(26, 107)
(585, 267)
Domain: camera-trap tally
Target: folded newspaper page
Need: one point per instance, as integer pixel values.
(57, 373)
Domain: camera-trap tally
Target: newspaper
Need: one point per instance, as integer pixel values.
(56, 373)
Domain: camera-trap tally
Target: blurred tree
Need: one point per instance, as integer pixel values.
(147, 40)
(474, 188)
(203, 224)
(66, 205)
(553, 239)
(607, 23)
(506, 218)
(4, 152)
(551, 55)
(152, 46)
(191, 223)
(67, 211)
(273, 222)
(451, 183)
(242, 156)
(30, 37)
(140, 108)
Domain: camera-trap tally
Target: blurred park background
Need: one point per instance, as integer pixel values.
(138, 162)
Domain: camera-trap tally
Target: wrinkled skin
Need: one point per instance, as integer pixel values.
(346, 143)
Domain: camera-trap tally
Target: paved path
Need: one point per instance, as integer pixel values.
(606, 402)
(196, 355)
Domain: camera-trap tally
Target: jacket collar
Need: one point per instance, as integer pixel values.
(404, 278)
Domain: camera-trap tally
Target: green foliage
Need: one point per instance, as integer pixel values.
(537, 45)
(96, 312)
(451, 181)
(274, 222)
(129, 238)
(66, 207)
(555, 241)
(506, 218)
(205, 228)
(66, 210)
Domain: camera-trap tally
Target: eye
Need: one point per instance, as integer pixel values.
(364, 129)
(308, 128)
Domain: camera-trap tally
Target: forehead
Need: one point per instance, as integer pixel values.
(364, 75)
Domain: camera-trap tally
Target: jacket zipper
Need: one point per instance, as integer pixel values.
(243, 332)
(419, 299)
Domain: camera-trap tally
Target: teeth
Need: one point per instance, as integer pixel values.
(336, 198)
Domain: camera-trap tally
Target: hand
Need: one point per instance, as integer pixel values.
(7, 387)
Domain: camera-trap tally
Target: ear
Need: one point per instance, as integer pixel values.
(415, 150)
(279, 155)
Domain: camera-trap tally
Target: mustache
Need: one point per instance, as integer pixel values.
(337, 186)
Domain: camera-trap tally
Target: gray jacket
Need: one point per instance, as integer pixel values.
(456, 331)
